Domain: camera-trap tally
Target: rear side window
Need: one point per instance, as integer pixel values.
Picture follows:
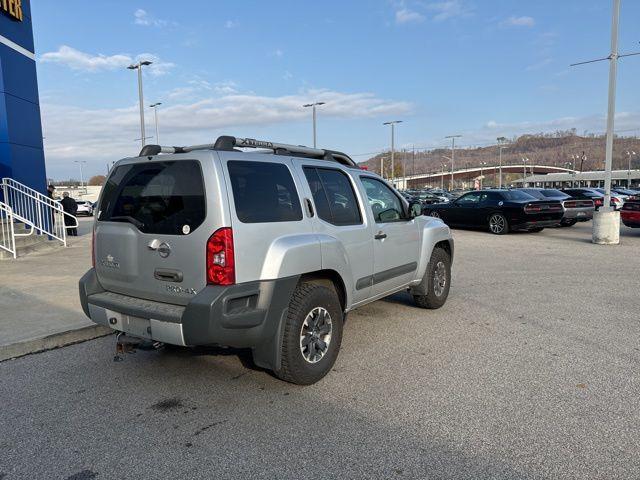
(333, 196)
(516, 195)
(157, 197)
(264, 192)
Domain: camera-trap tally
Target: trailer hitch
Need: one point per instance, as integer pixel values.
(129, 344)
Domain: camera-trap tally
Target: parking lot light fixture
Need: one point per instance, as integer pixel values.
(138, 66)
(313, 107)
(393, 124)
(155, 112)
(629, 154)
(501, 146)
(453, 154)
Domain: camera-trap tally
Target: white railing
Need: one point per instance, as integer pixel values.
(7, 235)
(37, 211)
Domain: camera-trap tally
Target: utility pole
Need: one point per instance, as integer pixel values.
(524, 170)
(606, 221)
(313, 106)
(393, 124)
(155, 111)
(453, 155)
(444, 165)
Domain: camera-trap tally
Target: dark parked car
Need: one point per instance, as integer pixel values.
(591, 194)
(630, 214)
(575, 210)
(499, 210)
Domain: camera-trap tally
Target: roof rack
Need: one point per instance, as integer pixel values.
(227, 143)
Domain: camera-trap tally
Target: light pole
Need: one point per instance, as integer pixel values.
(382, 167)
(501, 146)
(393, 124)
(482, 165)
(80, 162)
(138, 66)
(524, 170)
(444, 165)
(155, 112)
(629, 154)
(453, 154)
(313, 107)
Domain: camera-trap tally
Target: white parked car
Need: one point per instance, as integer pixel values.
(84, 208)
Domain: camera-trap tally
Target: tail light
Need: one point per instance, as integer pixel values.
(570, 204)
(221, 267)
(598, 202)
(615, 200)
(532, 208)
(93, 247)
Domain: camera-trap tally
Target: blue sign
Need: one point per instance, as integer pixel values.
(21, 149)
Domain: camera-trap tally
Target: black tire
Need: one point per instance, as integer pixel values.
(434, 214)
(306, 298)
(498, 224)
(568, 223)
(536, 230)
(436, 293)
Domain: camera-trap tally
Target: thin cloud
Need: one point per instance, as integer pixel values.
(143, 18)
(523, 21)
(230, 24)
(448, 9)
(93, 63)
(404, 15)
(74, 132)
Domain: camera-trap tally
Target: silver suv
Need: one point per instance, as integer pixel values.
(252, 244)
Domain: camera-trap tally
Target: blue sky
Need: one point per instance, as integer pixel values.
(480, 68)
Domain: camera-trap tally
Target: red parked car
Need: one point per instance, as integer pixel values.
(630, 214)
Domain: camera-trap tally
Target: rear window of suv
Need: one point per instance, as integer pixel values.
(157, 197)
(264, 192)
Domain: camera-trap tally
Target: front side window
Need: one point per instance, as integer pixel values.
(156, 197)
(469, 199)
(264, 192)
(333, 196)
(385, 204)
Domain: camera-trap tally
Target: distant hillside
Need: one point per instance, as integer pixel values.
(541, 149)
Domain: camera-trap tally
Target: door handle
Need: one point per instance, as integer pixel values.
(380, 236)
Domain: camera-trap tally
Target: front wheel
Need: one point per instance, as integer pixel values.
(436, 281)
(498, 224)
(312, 334)
(434, 214)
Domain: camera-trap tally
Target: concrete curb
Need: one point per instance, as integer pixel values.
(56, 340)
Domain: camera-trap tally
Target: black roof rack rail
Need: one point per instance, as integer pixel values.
(228, 143)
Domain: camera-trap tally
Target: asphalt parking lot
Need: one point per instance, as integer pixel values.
(531, 370)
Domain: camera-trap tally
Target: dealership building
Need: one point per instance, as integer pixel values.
(21, 148)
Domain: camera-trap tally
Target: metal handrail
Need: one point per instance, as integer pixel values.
(39, 212)
(7, 233)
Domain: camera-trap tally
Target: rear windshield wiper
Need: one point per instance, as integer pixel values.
(127, 218)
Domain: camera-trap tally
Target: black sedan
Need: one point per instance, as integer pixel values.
(499, 210)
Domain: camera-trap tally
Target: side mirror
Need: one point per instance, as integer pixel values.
(415, 209)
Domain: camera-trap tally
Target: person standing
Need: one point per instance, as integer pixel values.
(70, 206)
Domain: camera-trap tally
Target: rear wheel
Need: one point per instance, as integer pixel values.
(436, 281)
(498, 224)
(434, 214)
(568, 223)
(312, 334)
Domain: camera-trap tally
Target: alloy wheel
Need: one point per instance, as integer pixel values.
(315, 335)
(439, 279)
(497, 223)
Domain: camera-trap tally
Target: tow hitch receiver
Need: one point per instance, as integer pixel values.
(128, 344)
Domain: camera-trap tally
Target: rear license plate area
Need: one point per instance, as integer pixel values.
(136, 326)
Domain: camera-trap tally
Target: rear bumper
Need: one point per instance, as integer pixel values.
(579, 214)
(630, 218)
(248, 315)
(542, 223)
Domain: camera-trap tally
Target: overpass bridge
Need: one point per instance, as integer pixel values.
(467, 176)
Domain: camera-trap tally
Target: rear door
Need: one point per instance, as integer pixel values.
(153, 226)
(339, 214)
